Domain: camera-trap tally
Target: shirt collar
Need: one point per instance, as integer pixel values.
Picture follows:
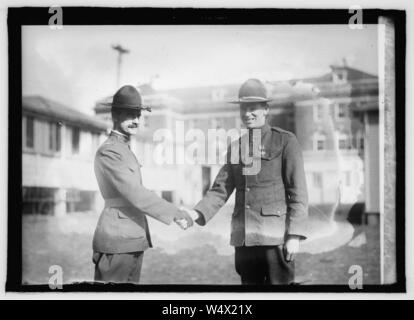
(120, 136)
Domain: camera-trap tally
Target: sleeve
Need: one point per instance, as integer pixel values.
(217, 196)
(294, 180)
(129, 187)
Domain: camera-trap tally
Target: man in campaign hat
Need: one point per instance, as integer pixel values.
(270, 212)
(122, 233)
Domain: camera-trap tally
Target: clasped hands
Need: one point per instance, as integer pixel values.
(186, 217)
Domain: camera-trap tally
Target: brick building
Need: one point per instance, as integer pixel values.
(326, 113)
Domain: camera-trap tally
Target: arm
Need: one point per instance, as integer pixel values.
(295, 186)
(116, 171)
(217, 196)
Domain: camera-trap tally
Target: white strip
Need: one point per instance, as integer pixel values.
(381, 88)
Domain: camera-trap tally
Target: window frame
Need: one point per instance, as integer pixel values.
(25, 132)
(319, 137)
(54, 138)
(75, 129)
(338, 106)
(317, 109)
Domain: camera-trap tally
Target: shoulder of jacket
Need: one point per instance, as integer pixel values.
(109, 146)
(280, 130)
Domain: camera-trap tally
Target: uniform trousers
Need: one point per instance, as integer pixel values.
(264, 265)
(118, 267)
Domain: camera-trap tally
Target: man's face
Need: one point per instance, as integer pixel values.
(127, 121)
(254, 114)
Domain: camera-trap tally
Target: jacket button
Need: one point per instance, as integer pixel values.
(247, 206)
(247, 189)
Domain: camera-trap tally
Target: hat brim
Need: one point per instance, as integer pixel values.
(127, 106)
(249, 100)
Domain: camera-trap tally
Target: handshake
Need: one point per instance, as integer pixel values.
(186, 217)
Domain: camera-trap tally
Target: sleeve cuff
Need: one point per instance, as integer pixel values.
(201, 219)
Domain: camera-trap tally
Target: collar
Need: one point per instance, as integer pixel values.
(265, 129)
(120, 136)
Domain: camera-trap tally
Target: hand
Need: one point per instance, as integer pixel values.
(182, 223)
(183, 220)
(191, 212)
(291, 247)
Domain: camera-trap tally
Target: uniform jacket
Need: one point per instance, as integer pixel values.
(122, 226)
(270, 204)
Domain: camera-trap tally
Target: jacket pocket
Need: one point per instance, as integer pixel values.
(271, 154)
(274, 209)
(126, 213)
(122, 215)
(129, 226)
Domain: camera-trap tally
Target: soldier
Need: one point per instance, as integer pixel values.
(122, 233)
(271, 205)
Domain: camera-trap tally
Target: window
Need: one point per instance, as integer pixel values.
(37, 200)
(317, 179)
(217, 95)
(342, 141)
(341, 110)
(339, 76)
(215, 124)
(320, 145)
(30, 132)
(58, 137)
(75, 140)
(342, 144)
(319, 141)
(318, 112)
(54, 137)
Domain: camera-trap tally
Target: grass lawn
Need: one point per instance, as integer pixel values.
(67, 242)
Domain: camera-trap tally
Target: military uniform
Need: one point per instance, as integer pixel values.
(122, 234)
(270, 205)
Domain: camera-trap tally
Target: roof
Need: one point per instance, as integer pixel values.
(41, 106)
(214, 98)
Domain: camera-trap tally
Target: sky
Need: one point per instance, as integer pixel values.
(77, 66)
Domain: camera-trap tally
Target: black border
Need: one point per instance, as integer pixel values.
(18, 17)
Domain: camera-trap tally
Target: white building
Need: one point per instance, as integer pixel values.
(59, 145)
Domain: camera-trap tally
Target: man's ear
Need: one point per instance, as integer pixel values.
(266, 110)
(114, 116)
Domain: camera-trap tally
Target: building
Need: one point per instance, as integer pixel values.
(340, 138)
(334, 137)
(58, 148)
(326, 113)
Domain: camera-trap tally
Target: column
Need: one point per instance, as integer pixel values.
(60, 202)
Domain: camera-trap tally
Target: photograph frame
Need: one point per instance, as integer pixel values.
(18, 17)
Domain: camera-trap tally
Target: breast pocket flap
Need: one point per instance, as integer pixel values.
(274, 209)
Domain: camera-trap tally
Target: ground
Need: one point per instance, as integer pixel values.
(66, 242)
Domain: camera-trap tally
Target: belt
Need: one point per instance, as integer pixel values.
(117, 202)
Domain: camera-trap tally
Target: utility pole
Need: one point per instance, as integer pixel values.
(121, 51)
